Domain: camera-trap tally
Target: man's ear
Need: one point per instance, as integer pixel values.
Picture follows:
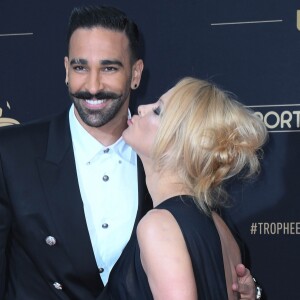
(137, 71)
(66, 62)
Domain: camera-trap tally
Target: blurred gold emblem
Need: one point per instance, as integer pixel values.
(298, 19)
(7, 121)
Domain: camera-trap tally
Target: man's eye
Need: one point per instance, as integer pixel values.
(157, 110)
(79, 68)
(110, 69)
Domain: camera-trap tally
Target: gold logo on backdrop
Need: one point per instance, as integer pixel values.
(7, 121)
(298, 19)
(279, 117)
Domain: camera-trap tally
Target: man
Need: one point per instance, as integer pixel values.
(71, 190)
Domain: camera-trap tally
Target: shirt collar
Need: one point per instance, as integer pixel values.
(90, 148)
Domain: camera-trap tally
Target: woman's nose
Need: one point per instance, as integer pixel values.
(140, 110)
(143, 109)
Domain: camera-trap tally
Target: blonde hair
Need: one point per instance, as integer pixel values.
(207, 137)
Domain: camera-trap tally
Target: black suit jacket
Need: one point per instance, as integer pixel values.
(40, 197)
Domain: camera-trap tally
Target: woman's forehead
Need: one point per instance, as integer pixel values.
(166, 96)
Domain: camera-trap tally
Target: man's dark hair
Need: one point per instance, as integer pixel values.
(107, 17)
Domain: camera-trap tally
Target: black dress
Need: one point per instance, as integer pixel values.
(128, 279)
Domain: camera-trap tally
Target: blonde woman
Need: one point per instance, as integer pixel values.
(190, 142)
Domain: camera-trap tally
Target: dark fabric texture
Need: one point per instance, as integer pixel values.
(128, 279)
(40, 197)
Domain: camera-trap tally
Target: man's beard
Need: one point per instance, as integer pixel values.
(98, 118)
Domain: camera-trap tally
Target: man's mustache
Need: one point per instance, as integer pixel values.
(98, 96)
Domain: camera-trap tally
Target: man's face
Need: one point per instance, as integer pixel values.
(100, 75)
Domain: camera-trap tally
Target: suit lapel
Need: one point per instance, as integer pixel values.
(59, 179)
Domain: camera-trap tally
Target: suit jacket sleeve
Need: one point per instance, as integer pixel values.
(5, 221)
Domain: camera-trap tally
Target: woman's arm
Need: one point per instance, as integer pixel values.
(165, 257)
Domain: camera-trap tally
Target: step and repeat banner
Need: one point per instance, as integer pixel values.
(251, 48)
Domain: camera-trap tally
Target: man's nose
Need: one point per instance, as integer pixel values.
(94, 82)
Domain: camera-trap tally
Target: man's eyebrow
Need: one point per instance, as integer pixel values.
(104, 62)
(79, 61)
(107, 62)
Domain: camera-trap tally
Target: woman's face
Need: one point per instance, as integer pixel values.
(142, 128)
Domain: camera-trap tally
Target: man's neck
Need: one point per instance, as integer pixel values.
(109, 133)
(106, 135)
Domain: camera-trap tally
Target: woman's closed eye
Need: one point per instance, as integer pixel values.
(157, 110)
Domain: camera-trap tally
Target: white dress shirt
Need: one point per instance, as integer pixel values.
(107, 179)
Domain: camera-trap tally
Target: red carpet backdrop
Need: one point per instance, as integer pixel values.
(251, 48)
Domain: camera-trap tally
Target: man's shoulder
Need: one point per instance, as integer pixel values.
(33, 129)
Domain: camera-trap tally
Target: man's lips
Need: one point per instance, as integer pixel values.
(95, 103)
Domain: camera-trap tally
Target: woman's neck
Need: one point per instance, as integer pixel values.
(163, 185)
